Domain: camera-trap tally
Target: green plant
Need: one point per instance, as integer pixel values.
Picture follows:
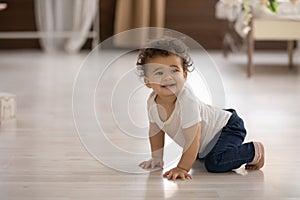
(273, 5)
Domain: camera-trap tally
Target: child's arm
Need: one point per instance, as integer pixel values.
(157, 141)
(192, 143)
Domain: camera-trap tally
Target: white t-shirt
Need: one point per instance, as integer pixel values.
(188, 111)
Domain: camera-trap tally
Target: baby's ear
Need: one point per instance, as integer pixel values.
(185, 73)
(147, 83)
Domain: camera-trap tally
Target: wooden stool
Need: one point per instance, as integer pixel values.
(7, 106)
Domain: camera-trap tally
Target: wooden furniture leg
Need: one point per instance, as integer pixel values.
(290, 46)
(225, 46)
(250, 50)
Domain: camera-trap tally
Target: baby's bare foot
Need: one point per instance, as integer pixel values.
(261, 161)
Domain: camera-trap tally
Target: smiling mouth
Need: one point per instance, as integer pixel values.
(168, 86)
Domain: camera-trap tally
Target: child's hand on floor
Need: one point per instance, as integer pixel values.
(177, 172)
(152, 163)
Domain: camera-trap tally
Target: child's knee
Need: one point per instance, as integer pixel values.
(212, 165)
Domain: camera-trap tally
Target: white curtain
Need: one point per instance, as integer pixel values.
(55, 17)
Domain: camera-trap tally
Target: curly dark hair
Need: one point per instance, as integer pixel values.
(164, 47)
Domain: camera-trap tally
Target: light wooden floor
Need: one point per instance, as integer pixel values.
(41, 156)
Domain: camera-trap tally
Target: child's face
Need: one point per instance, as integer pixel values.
(165, 75)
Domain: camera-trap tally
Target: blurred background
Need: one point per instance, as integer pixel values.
(194, 18)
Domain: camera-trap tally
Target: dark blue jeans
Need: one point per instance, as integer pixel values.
(230, 152)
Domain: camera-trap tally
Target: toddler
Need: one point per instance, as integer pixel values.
(204, 132)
